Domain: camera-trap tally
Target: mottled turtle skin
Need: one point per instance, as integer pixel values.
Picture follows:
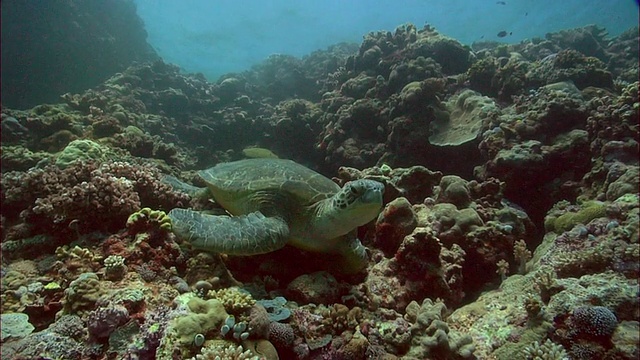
(275, 202)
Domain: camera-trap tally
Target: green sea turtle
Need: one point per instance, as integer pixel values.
(275, 202)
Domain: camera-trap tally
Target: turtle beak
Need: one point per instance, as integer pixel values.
(373, 194)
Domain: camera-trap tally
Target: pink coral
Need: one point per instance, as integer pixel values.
(85, 196)
(103, 321)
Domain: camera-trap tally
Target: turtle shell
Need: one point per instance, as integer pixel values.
(232, 182)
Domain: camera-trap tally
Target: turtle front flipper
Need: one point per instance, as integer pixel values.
(353, 255)
(249, 234)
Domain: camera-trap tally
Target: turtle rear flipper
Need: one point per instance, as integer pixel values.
(249, 234)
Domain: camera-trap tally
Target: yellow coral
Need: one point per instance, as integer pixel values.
(235, 301)
(82, 294)
(146, 218)
(204, 317)
(340, 318)
(63, 252)
(114, 267)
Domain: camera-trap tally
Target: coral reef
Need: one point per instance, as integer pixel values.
(509, 226)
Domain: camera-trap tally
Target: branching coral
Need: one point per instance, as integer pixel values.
(89, 195)
(546, 283)
(222, 350)
(77, 252)
(522, 255)
(340, 318)
(234, 300)
(503, 269)
(114, 267)
(545, 351)
(76, 260)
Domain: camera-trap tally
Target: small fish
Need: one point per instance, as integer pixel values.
(501, 3)
(503, 33)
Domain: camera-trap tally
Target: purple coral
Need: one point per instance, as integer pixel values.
(152, 331)
(70, 326)
(103, 321)
(147, 182)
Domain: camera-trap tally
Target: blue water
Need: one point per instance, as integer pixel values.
(222, 36)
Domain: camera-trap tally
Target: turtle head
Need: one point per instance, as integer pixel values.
(359, 201)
